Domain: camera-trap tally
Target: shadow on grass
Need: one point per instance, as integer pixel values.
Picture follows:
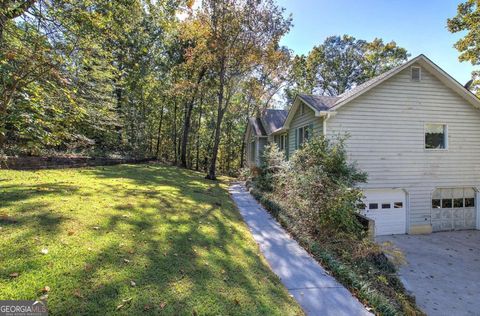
(179, 277)
(182, 259)
(11, 194)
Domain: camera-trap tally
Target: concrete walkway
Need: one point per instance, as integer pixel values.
(316, 291)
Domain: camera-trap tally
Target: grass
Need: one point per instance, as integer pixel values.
(131, 239)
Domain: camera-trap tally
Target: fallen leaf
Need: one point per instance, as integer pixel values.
(77, 293)
(46, 289)
(131, 251)
(147, 307)
(133, 284)
(162, 305)
(14, 274)
(237, 301)
(96, 227)
(124, 302)
(71, 232)
(44, 251)
(88, 267)
(43, 297)
(126, 260)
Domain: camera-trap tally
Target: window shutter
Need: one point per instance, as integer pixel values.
(287, 146)
(296, 138)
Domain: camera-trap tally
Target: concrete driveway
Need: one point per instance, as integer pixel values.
(442, 270)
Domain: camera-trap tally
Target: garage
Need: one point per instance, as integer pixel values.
(387, 207)
(453, 209)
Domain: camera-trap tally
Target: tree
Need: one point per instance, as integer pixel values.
(468, 19)
(238, 34)
(80, 75)
(341, 63)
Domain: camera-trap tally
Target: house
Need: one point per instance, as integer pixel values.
(414, 130)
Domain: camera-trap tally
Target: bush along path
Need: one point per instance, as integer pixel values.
(314, 195)
(317, 292)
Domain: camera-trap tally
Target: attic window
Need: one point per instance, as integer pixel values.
(416, 74)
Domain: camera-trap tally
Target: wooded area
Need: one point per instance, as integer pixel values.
(170, 79)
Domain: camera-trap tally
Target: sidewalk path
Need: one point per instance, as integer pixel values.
(316, 291)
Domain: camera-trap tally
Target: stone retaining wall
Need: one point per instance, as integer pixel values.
(33, 163)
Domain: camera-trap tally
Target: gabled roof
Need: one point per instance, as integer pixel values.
(270, 121)
(257, 126)
(318, 102)
(322, 104)
(422, 60)
(273, 119)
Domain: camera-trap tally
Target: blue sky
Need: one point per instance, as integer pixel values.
(419, 26)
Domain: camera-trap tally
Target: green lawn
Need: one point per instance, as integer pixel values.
(131, 239)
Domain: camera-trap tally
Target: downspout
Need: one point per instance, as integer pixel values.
(326, 116)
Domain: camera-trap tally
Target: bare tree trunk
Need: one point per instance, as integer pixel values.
(242, 150)
(159, 134)
(175, 158)
(198, 135)
(186, 123)
(216, 143)
(218, 125)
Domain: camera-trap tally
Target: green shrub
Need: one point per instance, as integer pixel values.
(273, 164)
(317, 185)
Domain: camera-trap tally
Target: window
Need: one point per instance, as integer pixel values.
(373, 206)
(386, 205)
(435, 136)
(453, 197)
(458, 202)
(416, 73)
(447, 203)
(398, 205)
(282, 142)
(470, 202)
(306, 135)
(303, 134)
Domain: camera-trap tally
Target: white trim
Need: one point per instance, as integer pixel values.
(296, 103)
(477, 206)
(445, 131)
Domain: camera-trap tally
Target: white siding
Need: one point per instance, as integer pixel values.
(386, 128)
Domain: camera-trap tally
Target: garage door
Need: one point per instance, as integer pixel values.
(387, 207)
(453, 209)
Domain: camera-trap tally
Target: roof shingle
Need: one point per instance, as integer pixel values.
(273, 119)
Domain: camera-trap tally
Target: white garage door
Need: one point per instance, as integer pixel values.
(387, 207)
